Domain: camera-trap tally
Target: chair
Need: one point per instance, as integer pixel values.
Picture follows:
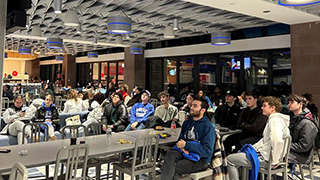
(77, 155)
(36, 136)
(35, 132)
(5, 103)
(310, 171)
(96, 129)
(18, 172)
(58, 102)
(283, 164)
(77, 129)
(147, 161)
(154, 102)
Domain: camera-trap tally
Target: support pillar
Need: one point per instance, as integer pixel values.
(69, 70)
(134, 69)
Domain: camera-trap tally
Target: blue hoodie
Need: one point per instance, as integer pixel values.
(200, 131)
(140, 112)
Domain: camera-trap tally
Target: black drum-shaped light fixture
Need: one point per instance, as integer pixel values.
(119, 25)
(297, 2)
(24, 50)
(59, 58)
(220, 39)
(136, 49)
(54, 43)
(93, 54)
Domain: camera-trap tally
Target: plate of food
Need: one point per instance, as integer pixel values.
(159, 128)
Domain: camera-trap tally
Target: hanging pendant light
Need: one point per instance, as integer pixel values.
(59, 58)
(175, 24)
(220, 39)
(297, 2)
(92, 54)
(71, 18)
(36, 31)
(95, 40)
(118, 40)
(168, 33)
(54, 43)
(57, 6)
(119, 25)
(136, 49)
(79, 29)
(24, 50)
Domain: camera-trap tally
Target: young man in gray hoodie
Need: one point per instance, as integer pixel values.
(272, 142)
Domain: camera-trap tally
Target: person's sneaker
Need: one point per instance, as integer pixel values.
(53, 138)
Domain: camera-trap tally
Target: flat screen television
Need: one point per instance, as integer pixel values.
(236, 64)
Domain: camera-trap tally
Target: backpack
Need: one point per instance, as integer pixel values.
(317, 140)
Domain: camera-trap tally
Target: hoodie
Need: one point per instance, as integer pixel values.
(200, 131)
(272, 142)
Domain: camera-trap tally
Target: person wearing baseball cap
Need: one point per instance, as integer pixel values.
(140, 112)
(227, 115)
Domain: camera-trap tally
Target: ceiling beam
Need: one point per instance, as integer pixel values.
(256, 8)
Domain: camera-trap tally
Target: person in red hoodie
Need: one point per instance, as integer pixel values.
(124, 91)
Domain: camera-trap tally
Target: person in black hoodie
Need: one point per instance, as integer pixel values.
(302, 130)
(49, 114)
(251, 122)
(115, 114)
(227, 115)
(7, 92)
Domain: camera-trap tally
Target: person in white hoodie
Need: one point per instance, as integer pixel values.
(74, 104)
(272, 142)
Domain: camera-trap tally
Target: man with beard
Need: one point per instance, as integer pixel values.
(116, 114)
(197, 137)
(15, 117)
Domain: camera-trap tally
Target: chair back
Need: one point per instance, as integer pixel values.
(5, 102)
(18, 172)
(95, 128)
(36, 132)
(154, 102)
(58, 102)
(284, 154)
(149, 152)
(77, 130)
(75, 157)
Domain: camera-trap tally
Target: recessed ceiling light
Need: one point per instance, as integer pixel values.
(266, 11)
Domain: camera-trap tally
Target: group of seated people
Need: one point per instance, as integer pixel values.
(262, 125)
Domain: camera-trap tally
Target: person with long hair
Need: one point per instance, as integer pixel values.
(203, 96)
(74, 103)
(48, 114)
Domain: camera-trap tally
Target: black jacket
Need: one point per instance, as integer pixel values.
(303, 133)
(41, 114)
(8, 94)
(252, 121)
(227, 116)
(121, 113)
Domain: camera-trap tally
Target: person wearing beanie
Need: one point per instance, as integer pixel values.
(140, 112)
(115, 114)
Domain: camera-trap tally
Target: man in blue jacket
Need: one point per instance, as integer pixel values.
(140, 112)
(199, 129)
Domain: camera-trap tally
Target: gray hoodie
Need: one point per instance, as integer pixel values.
(272, 142)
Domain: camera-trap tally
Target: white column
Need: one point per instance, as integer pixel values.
(3, 18)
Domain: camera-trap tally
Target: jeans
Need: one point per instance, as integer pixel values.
(141, 126)
(16, 129)
(175, 163)
(240, 159)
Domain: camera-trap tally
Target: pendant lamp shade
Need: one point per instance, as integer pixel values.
(36, 31)
(119, 40)
(169, 33)
(24, 50)
(175, 24)
(54, 43)
(93, 54)
(297, 2)
(79, 29)
(57, 6)
(59, 58)
(119, 25)
(95, 40)
(42, 53)
(136, 49)
(71, 18)
(220, 38)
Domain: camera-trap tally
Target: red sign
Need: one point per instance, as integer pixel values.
(102, 74)
(14, 73)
